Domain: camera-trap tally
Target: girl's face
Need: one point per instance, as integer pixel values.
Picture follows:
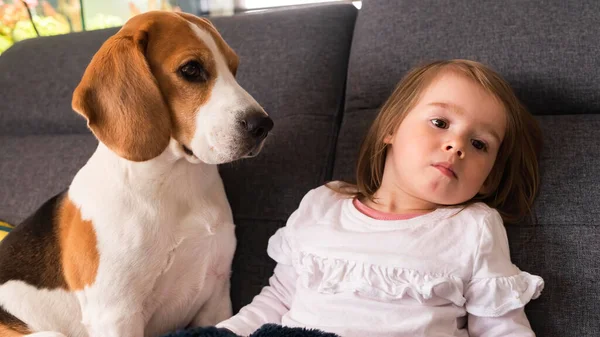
(446, 146)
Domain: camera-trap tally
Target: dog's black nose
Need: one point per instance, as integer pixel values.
(257, 125)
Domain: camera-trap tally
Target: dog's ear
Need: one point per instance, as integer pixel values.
(121, 100)
(230, 56)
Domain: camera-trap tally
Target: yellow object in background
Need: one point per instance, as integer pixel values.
(4, 229)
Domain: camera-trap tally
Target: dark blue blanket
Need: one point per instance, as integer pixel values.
(267, 330)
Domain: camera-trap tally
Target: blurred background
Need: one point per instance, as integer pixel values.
(25, 19)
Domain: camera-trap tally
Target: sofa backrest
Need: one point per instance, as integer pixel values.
(294, 62)
(43, 142)
(38, 79)
(548, 51)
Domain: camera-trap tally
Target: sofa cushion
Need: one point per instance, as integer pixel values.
(35, 168)
(38, 79)
(566, 257)
(546, 49)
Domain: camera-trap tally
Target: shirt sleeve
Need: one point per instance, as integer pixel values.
(268, 306)
(498, 291)
(513, 323)
(275, 299)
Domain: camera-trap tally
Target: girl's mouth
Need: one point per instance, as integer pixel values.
(446, 169)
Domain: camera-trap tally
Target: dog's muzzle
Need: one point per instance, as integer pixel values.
(257, 127)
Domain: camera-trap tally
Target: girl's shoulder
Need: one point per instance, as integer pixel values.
(328, 194)
(320, 201)
(476, 219)
(479, 213)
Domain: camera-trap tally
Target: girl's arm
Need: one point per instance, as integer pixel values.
(513, 323)
(268, 306)
(498, 291)
(274, 300)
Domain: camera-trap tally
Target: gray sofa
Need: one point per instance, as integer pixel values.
(321, 72)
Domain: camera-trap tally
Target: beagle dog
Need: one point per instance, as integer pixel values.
(141, 243)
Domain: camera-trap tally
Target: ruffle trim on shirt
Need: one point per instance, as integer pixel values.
(279, 248)
(494, 297)
(331, 276)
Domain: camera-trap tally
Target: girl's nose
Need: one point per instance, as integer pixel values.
(456, 149)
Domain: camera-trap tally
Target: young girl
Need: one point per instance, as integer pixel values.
(418, 246)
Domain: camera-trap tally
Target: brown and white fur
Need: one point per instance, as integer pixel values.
(142, 241)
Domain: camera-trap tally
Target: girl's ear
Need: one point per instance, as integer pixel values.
(388, 139)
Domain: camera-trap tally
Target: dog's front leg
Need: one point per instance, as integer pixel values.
(111, 311)
(115, 305)
(117, 325)
(217, 308)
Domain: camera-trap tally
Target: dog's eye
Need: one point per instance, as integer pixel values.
(193, 72)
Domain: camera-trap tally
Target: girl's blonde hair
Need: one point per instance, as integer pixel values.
(514, 179)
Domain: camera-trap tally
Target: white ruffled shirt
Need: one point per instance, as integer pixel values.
(341, 271)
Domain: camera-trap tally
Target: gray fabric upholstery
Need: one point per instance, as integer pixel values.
(37, 80)
(547, 51)
(295, 67)
(567, 258)
(294, 63)
(35, 168)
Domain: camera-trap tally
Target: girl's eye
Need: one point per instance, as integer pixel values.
(440, 123)
(479, 145)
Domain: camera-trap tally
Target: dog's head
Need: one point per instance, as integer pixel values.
(170, 76)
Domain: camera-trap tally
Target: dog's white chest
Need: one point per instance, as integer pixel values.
(196, 268)
(178, 241)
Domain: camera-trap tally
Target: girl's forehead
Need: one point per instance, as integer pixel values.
(460, 89)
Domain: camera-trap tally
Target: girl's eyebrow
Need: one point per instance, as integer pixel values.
(448, 106)
(457, 109)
